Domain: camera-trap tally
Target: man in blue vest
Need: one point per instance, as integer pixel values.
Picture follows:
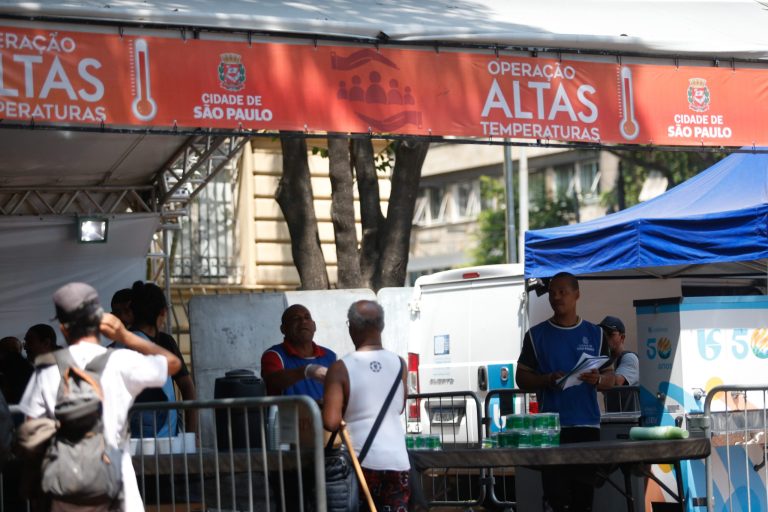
(298, 365)
(550, 349)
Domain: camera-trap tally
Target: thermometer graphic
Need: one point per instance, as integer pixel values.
(144, 107)
(628, 127)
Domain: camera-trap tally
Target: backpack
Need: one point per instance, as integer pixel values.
(78, 466)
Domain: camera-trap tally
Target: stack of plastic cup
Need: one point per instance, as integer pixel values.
(423, 442)
(434, 442)
(551, 423)
(540, 430)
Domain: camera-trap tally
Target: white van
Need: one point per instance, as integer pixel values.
(466, 331)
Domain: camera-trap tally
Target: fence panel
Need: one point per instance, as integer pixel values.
(454, 417)
(736, 474)
(250, 454)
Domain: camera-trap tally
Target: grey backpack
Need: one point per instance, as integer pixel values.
(78, 466)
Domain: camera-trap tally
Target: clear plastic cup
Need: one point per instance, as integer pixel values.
(524, 439)
(491, 442)
(539, 438)
(515, 421)
(541, 421)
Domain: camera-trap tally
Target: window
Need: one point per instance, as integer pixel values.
(204, 247)
(430, 206)
(564, 182)
(589, 181)
(581, 179)
(467, 197)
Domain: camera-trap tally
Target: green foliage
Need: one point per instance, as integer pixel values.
(491, 232)
(323, 152)
(550, 214)
(676, 166)
(491, 224)
(384, 160)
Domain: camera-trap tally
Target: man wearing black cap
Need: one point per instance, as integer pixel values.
(126, 374)
(627, 367)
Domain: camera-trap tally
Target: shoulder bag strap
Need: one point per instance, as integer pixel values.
(382, 412)
(99, 362)
(63, 359)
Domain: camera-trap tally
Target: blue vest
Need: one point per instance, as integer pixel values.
(558, 349)
(306, 386)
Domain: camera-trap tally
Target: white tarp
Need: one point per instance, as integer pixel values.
(718, 28)
(41, 253)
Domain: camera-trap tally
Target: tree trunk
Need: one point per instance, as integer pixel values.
(294, 195)
(343, 213)
(371, 218)
(396, 236)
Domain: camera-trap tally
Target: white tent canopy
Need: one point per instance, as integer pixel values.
(717, 28)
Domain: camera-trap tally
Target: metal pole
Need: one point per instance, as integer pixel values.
(510, 211)
(167, 277)
(522, 168)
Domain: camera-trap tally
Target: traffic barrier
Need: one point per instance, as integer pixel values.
(455, 418)
(283, 470)
(735, 419)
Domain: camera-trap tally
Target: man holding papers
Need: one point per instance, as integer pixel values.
(561, 360)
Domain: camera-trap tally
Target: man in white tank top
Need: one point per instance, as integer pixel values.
(356, 387)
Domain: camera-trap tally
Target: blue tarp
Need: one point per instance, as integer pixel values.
(714, 223)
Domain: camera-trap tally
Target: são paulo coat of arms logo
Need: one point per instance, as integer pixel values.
(231, 72)
(698, 95)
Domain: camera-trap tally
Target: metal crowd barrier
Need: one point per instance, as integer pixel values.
(249, 454)
(501, 491)
(456, 417)
(736, 472)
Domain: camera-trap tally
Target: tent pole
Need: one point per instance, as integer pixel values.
(510, 210)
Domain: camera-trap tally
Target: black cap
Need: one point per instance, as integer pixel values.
(72, 299)
(613, 323)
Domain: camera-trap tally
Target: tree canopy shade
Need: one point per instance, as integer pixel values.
(716, 223)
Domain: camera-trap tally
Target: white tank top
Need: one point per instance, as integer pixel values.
(371, 375)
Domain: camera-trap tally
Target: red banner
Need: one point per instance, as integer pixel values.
(76, 78)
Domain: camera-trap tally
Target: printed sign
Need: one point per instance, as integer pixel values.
(90, 78)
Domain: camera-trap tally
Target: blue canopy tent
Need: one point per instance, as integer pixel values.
(714, 224)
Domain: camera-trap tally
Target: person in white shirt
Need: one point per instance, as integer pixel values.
(126, 374)
(356, 388)
(627, 368)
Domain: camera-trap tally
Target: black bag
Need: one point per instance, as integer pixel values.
(341, 486)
